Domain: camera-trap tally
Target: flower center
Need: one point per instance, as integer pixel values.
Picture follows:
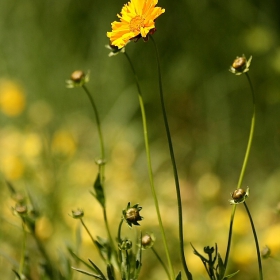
(136, 23)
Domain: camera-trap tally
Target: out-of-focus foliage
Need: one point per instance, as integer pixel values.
(48, 139)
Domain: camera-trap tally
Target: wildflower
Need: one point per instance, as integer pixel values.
(239, 196)
(240, 65)
(147, 241)
(78, 79)
(137, 19)
(132, 215)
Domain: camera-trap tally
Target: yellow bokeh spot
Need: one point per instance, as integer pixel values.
(12, 167)
(44, 228)
(12, 98)
(209, 185)
(243, 252)
(63, 143)
(31, 146)
(272, 237)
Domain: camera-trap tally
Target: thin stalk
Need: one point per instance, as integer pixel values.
(245, 161)
(101, 141)
(22, 258)
(101, 164)
(256, 242)
(175, 172)
(149, 162)
(161, 262)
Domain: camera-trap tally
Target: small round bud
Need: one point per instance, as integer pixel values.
(125, 245)
(238, 194)
(147, 241)
(21, 209)
(77, 214)
(239, 63)
(77, 76)
(266, 252)
(132, 215)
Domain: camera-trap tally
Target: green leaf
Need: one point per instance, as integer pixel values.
(221, 268)
(97, 269)
(80, 260)
(230, 275)
(88, 273)
(99, 192)
(179, 276)
(110, 272)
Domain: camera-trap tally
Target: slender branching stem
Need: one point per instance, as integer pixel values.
(175, 172)
(149, 162)
(245, 161)
(256, 242)
(101, 164)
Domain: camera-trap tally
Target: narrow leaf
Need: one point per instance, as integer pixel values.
(99, 192)
(230, 275)
(88, 273)
(179, 276)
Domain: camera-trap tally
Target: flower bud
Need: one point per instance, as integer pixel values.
(77, 214)
(147, 241)
(77, 76)
(125, 245)
(266, 252)
(239, 196)
(77, 79)
(132, 215)
(240, 65)
(21, 209)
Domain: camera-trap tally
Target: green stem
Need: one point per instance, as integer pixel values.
(256, 241)
(175, 172)
(245, 161)
(101, 165)
(22, 258)
(149, 162)
(101, 141)
(161, 262)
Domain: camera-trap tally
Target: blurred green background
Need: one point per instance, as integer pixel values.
(48, 139)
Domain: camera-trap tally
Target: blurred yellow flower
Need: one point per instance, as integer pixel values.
(63, 143)
(137, 19)
(12, 98)
(12, 167)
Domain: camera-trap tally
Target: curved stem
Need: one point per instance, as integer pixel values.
(245, 161)
(175, 172)
(256, 241)
(149, 162)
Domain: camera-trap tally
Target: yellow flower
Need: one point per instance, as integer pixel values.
(137, 19)
(12, 98)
